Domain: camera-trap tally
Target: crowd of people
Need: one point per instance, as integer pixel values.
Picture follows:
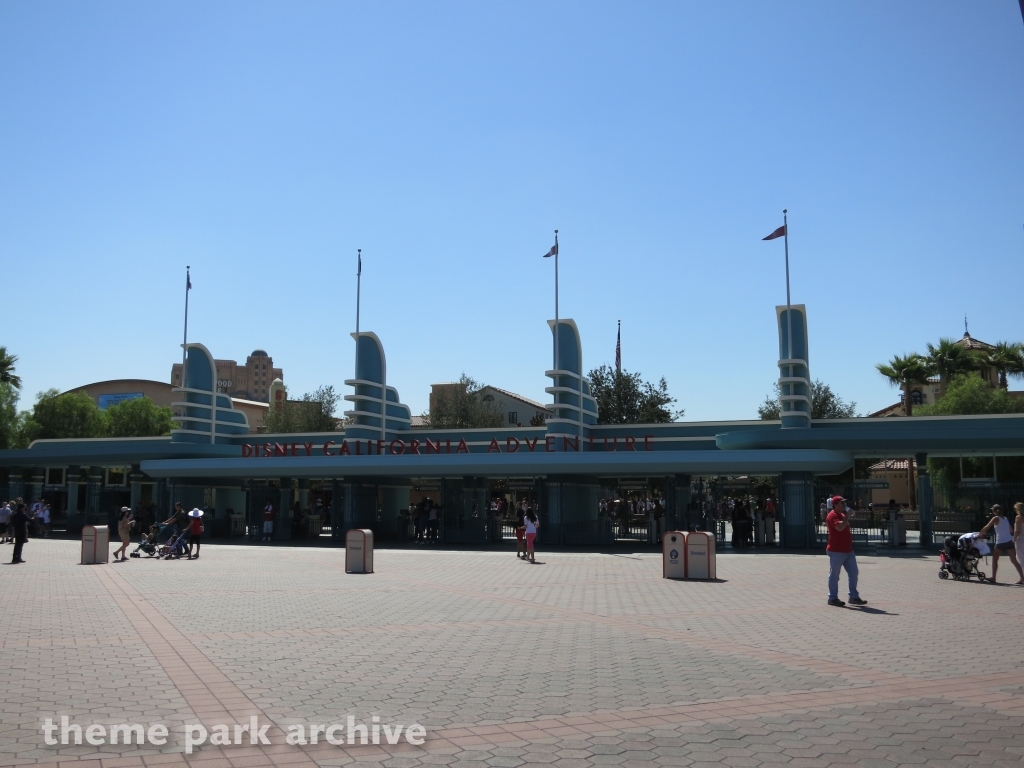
(15, 522)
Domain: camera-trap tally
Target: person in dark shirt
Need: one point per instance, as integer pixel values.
(19, 526)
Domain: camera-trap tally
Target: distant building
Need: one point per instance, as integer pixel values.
(108, 393)
(517, 411)
(932, 391)
(249, 382)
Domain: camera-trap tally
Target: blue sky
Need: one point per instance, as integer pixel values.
(262, 143)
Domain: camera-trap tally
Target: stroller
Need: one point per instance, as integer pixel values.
(175, 547)
(959, 557)
(147, 545)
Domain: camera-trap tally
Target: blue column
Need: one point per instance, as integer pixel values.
(572, 507)
(794, 373)
(796, 492)
(924, 499)
(360, 505)
(283, 524)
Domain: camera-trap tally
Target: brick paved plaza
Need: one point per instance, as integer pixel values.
(586, 659)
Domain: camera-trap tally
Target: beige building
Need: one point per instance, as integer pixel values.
(247, 382)
(932, 391)
(517, 411)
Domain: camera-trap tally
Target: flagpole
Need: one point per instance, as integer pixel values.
(789, 307)
(184, 342)
(359, 281)
(557, 380)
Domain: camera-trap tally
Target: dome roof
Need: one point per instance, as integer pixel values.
(259, 353)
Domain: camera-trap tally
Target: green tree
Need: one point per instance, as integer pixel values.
(56, 416)
(11, 422)
(970, 394)
(625, 398)
(462, 405)
(825, 404)
(7, 375)
(1007, 359)
(906, 373)
(313, 412)
(949, 359)
(138, 417)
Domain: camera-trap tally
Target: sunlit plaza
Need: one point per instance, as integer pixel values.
(581, 659)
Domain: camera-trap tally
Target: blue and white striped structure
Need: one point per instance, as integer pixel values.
(204, 415)
(794, 374)
(377, 413)
(573, 409)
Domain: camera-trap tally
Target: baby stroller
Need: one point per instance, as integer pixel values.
(959, 558)
(174, 548)
(145, 546)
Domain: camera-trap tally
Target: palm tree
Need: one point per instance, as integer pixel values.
(7, 369)
(1007, 359)
(906, 373)
(950, 359)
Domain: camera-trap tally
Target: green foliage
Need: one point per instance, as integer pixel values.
(625, 398)
(462, 406)
(970, 394)
(1007, 360)
(11, 422)
(7, 375)
(139, 417)
(950, 359)
(313, 412)
(825, 404)
(906, 372)
(56, 416)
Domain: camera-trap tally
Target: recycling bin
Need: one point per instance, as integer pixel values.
(95, 544)
(359, 550)
(673, 555)
(700, 556)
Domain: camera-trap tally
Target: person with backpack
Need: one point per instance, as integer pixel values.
(195, 530)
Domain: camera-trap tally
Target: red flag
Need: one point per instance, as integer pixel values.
(618, 351)
(781, 231)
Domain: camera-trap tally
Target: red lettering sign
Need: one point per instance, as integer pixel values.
(493, 446)
(327, 447)
(509, 448)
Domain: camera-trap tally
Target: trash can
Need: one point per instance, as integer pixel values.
(95, 544)
(897, 530)
(700, 556)
(673, 555)
(359, 550)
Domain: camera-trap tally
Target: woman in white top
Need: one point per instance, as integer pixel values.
(1004, 542)
(532, 524)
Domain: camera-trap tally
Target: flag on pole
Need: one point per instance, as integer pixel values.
(780, 232)
(359, 271)
(188, 280)
(618, 350)
(552, 252)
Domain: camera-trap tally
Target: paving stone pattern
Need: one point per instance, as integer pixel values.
(583, 660)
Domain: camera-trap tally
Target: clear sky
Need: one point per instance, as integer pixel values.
(262, 143)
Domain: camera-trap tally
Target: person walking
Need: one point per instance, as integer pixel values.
(268, 522)
(840, 554)
(195, 530)
(1004, 542)
(531, 523)
(5, 519)
(1018, 534)
(19, 527)
(125, 521)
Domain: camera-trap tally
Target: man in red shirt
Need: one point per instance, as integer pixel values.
(840, 554)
